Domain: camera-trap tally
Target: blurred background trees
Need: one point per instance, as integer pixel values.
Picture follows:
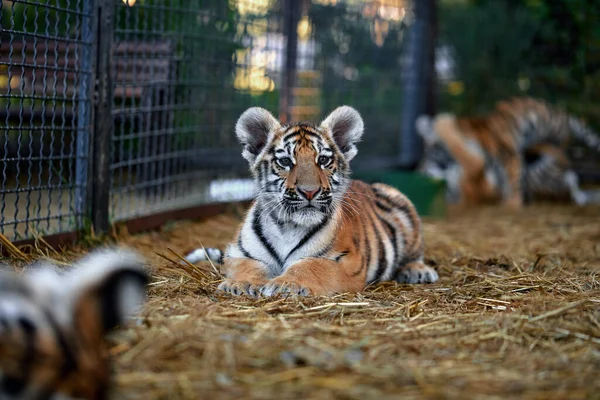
(229, 55)
(486, 50)
(545, 48)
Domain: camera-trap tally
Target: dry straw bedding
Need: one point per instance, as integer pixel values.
(516, 314)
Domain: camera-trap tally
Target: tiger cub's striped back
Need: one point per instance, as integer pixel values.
(514, 154)
(311, 229)
(53, 323)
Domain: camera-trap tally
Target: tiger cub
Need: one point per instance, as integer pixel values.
(311, 229)
(52, 325)
(514, 155)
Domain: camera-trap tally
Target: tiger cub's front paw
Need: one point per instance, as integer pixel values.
(417, 273)
(278, 286)
(238, 288)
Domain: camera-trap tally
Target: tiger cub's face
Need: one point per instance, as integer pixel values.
(302, 170)
(437, 161)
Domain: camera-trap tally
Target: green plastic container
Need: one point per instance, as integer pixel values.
(427, 194)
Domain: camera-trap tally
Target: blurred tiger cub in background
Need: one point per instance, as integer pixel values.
(312, 230)
(53, 325)
(514, 155)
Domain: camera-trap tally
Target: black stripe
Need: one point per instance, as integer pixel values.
(110, 313)
(404, 208)
(257, 228)
(315, 229)
(13, 385)
(367, 264)
(393, 238)
(356, 241)
(241, 247)
(299, 133)
(69, 360)
(264, 167)
(381, 195)
(29, 331)
(382, 206)
(308, 128)
(381, 266)
(277, 222)
(260, 174)
(268, 168)
(291, 135)
(311, 134)
(324, 251)
(274, 184)
(342, 255)
(306, 125)
(381, 261)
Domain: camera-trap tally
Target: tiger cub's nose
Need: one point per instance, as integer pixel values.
(308, 192)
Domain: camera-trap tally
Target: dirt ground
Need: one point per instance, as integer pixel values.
(516, 314)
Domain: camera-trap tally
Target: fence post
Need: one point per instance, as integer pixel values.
(430, 107)
(291, 17)
(84, 112)
(417, 89)
(103, 127)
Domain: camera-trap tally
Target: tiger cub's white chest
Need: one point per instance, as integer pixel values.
(278, 246)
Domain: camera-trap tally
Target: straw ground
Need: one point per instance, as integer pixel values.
(516, 314)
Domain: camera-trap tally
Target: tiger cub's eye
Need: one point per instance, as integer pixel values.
(285, 162)
(324, 160)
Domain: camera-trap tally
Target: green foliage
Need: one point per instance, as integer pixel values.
(489, 42)
(543, 48)
(342, 31)
(206, 36)
(358, 71)
(25, 17)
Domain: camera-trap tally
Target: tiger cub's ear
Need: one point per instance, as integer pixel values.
(253, 129)
(346, 127)
(107, 287)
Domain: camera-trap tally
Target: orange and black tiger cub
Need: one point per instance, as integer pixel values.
(312, 230)
(53, 325)
(513, 155)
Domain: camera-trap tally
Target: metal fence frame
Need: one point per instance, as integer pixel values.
(96, 127)
(40, 66)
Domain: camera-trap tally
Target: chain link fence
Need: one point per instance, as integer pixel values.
(116, 110)
(45, 100)
(183, 71)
